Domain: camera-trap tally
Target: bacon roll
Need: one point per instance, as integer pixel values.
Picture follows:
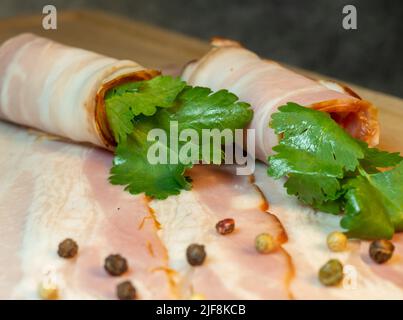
(266, 85)
(60, 89)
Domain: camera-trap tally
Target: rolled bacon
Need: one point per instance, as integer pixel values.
(60, 89)
(266, 85)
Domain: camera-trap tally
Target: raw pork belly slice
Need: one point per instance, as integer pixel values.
(233, 268)
(60, 89)
(51, 190)
(307, 231)
(266, 85)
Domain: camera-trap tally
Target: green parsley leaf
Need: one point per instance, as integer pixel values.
(199, 108)
(132, 168)
(194, 108)
(375, 158)
(333, 172)
(314, 151)
(127, 101)
(363, 218)
(374, 204)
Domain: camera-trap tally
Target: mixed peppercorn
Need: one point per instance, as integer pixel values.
(330, 274)
(225, 226)
(195, 254)
(265, 243)
(115, 265)
(68, 248)
(126, 291)
(381, 251)
(337, 241)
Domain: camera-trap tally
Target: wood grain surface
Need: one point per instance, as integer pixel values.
(157, 48)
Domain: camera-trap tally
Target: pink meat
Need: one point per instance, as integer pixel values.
(266, 85)
(233, 268)
(54, 88)
(53, 190)
(392, 270)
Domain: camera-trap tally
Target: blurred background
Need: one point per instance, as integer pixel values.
(307, 34)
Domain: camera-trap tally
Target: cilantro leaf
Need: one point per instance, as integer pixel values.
(374, 204)
(132, 168)
(333, 172)
(120, 118)
(199, 108)
(375, 158)
(390, 185)
(123, 103)
(312, 189)
(194, 108)
(314, 151)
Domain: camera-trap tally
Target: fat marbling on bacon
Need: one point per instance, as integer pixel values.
(60, 89)
(266, 85)
(52, 190)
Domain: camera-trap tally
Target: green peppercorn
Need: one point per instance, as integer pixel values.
(195, 254)
(115, 265)
(68, 248)
(265, 243)
(381, 250)
(337, 241)
(126, 291)
(331, 273)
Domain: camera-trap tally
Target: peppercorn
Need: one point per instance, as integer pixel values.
(195, 254)
(337, 241)
(331, 274)
(68, 248)
(48, 290)
(225, 226)
(197, 296)
(126, 291)
(115, 265)
(265, 243)
(381, 250)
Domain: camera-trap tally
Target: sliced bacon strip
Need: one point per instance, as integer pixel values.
(307, 231)
(266, 85)
(60, 89)
(392, 270)
(233, 268)
(52, 190)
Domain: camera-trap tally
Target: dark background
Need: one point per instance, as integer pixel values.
(307, 33)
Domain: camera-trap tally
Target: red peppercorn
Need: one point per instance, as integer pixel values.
(225, 226)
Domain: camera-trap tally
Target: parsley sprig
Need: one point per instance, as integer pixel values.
(333, 172)
(134, 109)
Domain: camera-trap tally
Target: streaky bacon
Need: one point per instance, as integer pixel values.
(266, 85)
(233, 268)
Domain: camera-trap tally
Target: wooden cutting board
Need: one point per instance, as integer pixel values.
(156, 48)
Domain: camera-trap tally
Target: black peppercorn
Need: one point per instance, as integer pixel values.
(195, 254)
(381, 250)
(115, 265)
(68, 248)
(126, 291)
